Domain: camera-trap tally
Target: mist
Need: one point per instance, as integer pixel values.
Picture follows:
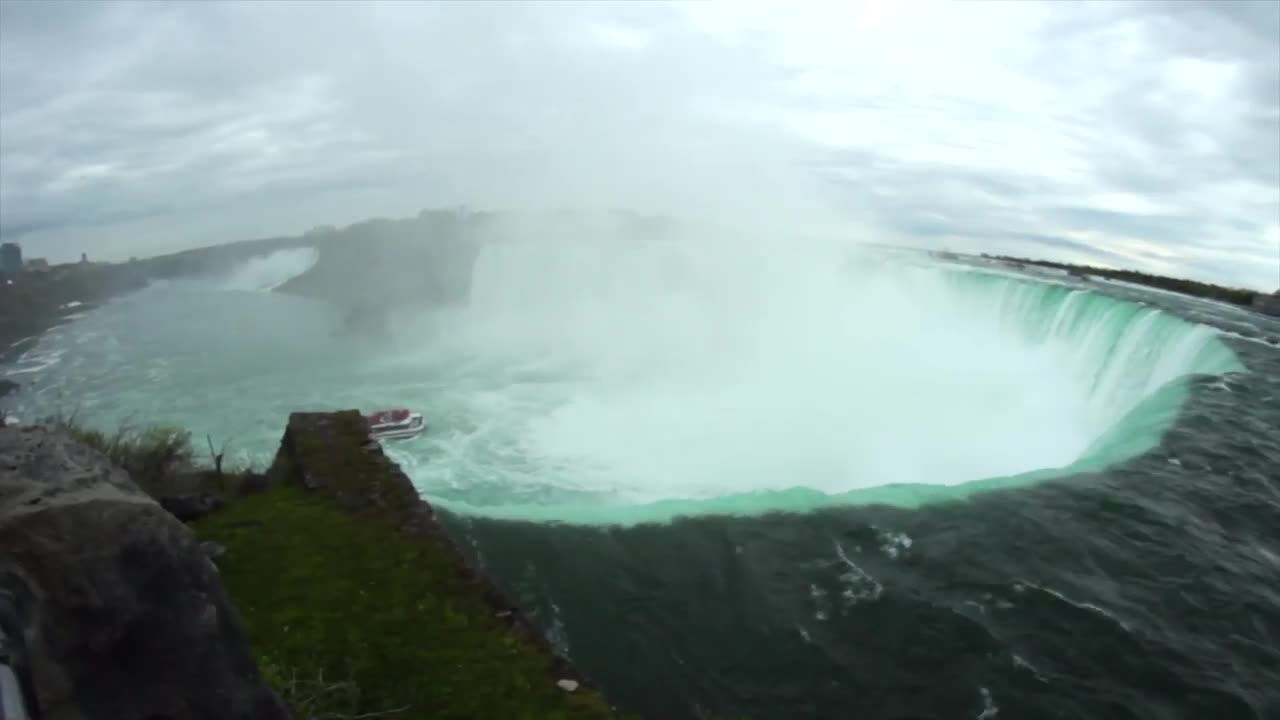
(506, 107)
(1007, 129)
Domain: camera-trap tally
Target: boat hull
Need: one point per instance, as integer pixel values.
(396, 425)
(398, 434)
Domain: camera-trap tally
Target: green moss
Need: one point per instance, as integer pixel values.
(381, 618)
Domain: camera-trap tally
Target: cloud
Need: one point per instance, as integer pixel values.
(1145, 134)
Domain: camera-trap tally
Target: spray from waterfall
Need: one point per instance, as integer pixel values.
(605, 380)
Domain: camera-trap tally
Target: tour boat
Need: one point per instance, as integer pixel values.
(395, 424)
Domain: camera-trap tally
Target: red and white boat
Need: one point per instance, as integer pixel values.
(395, 424)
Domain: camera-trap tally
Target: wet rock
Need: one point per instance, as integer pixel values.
(567, 685)
(8, 387)
(190, 507)
(122, 614)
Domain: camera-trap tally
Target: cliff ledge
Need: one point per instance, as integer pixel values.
(344, 573)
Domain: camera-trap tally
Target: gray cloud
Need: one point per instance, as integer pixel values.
(1143, 134)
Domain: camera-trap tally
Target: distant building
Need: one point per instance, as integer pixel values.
(37, 265)
(10, 258)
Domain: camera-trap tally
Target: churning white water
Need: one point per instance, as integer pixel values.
(595, 379)
(625, 373)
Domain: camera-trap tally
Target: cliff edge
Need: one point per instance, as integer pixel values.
(350, 586)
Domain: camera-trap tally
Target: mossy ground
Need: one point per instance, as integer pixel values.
(382, 613)
(348, 614)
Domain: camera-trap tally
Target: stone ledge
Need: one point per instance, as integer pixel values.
(332, 454)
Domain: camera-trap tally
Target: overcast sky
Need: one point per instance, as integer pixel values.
(1141, 135)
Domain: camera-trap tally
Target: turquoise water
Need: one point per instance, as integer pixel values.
(751, 477)
(589, 382)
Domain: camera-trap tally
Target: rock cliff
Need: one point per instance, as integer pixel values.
(122, 614)
(331, 454)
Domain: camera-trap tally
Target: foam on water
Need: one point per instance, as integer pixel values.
(34, 361)
(596, 380)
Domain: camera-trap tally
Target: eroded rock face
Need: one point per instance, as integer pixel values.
(123, 611)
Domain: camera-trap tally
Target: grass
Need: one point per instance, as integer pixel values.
(350, 617)
(150, 455)
(161, 459)
(358, 605)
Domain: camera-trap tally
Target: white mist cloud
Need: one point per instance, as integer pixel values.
(1144, 134)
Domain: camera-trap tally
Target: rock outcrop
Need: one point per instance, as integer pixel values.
(7, 387)
(331, 454)
(122, 612)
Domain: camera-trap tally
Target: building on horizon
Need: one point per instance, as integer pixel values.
(37, 265)
(11, 258)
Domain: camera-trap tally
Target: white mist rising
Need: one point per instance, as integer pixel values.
(721, 361)
(267, 272)
(595, 376)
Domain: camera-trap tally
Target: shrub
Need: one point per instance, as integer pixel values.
(151, 455)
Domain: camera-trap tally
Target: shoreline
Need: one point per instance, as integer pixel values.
(17, 348)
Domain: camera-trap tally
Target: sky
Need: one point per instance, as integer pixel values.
(1142, 135)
